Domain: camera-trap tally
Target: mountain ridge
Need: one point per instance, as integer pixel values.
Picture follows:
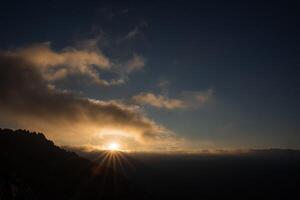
(35, 168)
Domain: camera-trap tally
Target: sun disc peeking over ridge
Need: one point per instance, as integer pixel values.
(113, 146)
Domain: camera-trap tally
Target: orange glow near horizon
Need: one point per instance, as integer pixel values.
(113, 146)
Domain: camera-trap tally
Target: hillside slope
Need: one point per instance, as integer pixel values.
(32, 167)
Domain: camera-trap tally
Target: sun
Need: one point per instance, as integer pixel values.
(113, 146)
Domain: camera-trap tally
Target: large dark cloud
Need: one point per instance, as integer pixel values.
(29, 101)
(84, 60)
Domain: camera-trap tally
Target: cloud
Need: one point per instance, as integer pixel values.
(133, 33)
(196, 99)
(135, 63)
(163, 84)
(190, 99)
(86, 61)
(28, 101)
(158, 101)
(136, 31)
(57, 65)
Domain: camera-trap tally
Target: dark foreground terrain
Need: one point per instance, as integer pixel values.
(257, 174)
(32, 167)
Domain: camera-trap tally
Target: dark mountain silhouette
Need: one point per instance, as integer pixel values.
(32, 167)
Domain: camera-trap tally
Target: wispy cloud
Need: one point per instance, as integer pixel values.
(196, 99)
(133, 33)
(190, 99)
(158, 101)
(136, 31)
(135, 63)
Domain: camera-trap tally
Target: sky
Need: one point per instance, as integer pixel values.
(158, 76)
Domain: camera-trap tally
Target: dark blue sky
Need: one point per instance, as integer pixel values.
(247, 52)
